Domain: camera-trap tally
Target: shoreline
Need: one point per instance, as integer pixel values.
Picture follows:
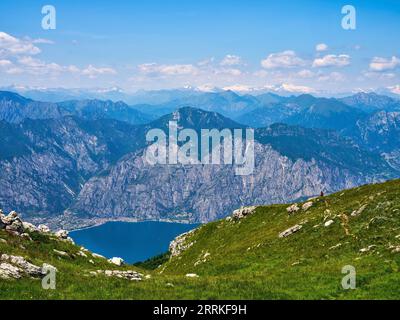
(100, 223)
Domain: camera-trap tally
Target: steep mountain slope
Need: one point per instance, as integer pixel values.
(326, 114)
(44, 163)
(290, 163)
(372, 102)
(227, 103)
(15, 109)
(358, 227)
(248, 256)
(98, 109)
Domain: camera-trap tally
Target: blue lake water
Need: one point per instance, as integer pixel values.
(131, 241)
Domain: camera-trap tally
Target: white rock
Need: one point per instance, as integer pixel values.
(307, 205)
(43, 228)
(99, 256)
(60, 253)
(290, 231)
(29, 227)
(192, 275)
(21, 263)
(8, 271)
(62, 234)
(328, 223)
(293, 208)
(243, 212)
(117, 261)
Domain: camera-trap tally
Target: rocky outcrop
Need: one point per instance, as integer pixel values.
(16, 267)
(243, 212)
(290, 231)
(127, 275)
(13, 224)
(181, 243)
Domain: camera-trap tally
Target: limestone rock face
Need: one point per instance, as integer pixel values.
(20, 266)
(180, 244)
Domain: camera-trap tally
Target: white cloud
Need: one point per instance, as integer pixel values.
(332, 60)
(333, 76)
(93, 72)
(42, 41)
(297, 89)
(285, 59)
(168, 70)
(229, 72)
(239, 88)
(305, 73)
(381, 64)
(321, 47)
(5, 63)
(11, 46)
(231, 60)
(395, 89)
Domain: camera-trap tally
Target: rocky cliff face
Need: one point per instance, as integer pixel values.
(137, 190)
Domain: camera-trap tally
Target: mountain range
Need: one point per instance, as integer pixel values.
(76, 163)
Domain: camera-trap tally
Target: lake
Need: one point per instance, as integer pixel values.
(131, 241)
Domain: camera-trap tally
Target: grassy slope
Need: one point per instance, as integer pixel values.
(248, 260)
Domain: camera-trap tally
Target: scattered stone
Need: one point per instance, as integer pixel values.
(359, 211)
(3, 241)
(192, 275)
(363, 250)
(29, 227)
(290, 231)
(307, 205)
(60, 253)
(91, 261)
(82, 254)
(328, 223)
(26, 236)
(62, 234)
(169, 285)
(43, 228)
(228, 219)
(335, 246)
(396, 249)
(117, 261)
(243, 212)
(127, 275)
(293, 208)
(99, 256)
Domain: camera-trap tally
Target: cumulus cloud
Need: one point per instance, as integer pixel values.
(332, 60)
(93, 72)
(11, 46)
(321, 47)
(167, 70)
(285, 59)
(231, 60)
(379, 64)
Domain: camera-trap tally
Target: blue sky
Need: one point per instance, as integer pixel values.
(243, 45)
